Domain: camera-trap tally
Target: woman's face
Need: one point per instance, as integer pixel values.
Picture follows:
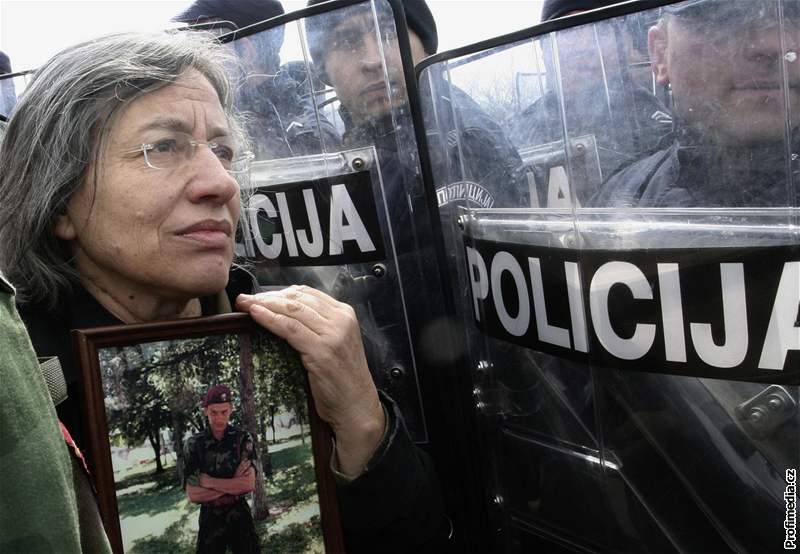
(164, 232)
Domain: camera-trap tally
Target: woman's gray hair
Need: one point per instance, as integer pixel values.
(58, 131)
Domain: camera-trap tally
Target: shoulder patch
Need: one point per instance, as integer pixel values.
(473, 194)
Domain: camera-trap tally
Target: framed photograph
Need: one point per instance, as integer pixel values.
(203, 431)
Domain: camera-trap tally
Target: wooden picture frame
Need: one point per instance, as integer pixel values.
(125, 367)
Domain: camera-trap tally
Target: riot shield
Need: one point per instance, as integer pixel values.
(335, 197)
(633, 324)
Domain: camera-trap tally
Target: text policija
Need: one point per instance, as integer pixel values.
(328, 221)
(728, 313)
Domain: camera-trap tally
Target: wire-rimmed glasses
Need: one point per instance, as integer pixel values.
(178, 149)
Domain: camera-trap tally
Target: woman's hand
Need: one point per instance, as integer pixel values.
(326, 334)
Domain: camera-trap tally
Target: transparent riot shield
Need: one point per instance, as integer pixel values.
(633, 324)
(335, 197)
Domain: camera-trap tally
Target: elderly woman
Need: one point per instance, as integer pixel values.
(119, 205)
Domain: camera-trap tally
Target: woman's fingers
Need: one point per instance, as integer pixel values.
(327, 335)
(323, 300)
(305, 309)
(293, 331)
(324, 305)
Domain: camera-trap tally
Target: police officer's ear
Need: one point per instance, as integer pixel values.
(657, 46)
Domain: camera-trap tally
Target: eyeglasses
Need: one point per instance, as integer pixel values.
(178, 149)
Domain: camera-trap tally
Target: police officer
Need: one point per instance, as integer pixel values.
(484, 168)
(363, 65)
(282, 120)
(219, 470)
(732, 69)
(477, 167)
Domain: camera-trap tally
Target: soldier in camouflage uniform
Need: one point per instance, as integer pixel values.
(219, 470)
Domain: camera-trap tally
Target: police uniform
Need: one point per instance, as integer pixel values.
(225, 522)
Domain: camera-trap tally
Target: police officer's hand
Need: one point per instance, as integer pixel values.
(326, 334)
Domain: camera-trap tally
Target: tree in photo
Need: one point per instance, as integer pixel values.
(136, 409)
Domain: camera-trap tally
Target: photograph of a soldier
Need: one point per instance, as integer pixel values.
(219, 470)
(211, 446)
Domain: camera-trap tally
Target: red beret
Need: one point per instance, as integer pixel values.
(217, 394)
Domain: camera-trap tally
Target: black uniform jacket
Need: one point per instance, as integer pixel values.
(692, 172)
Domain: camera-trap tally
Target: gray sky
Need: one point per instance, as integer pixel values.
(33, 30)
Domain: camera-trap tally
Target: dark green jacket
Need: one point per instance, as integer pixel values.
(39, 506)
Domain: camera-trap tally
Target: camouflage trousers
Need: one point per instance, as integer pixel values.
(223, 527)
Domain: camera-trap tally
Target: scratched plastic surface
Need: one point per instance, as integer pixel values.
(672, 128)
